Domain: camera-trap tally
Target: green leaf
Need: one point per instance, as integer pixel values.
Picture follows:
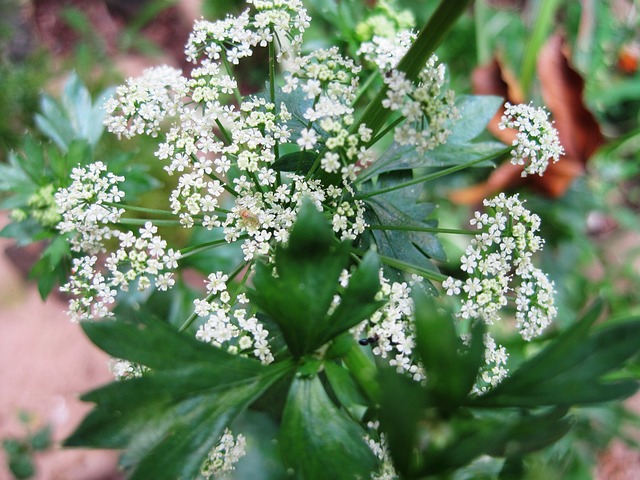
(317, 440)
(349, 394)
(402, 406)
(298, 298)
(476, 111)
(572, 369)
(459, 441)
(403, 208)
(13, 177)
(169, 419)
(451, 368)
(298, 162)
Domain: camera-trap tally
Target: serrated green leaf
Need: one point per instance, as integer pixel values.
(402, 208)
(451, 368)
(298, 298)
(318, 441)
(169, 419)
(571, 370)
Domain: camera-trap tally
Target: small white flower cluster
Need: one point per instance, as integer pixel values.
(124, 369)
(330, 81)
(381, 451)
(85, 208)
(499, 262)
(224, 456)
(391, 329)
(227, 326)
(140, 106)
(143, 258)
(536, 142)
(494, 369)
(234, 38)
(426, 106)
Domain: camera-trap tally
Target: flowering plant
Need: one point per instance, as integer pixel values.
(321, 315)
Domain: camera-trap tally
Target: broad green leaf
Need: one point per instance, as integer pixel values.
(169, 419)
(298, 162)
(451, 368)
(317, 440)
(298, 298)
(402, 408)
(402, 208)
(475, 113)
(347, 391)
(572, 369)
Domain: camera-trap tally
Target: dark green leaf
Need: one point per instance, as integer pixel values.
(402, 208)
(317, 440)
(571, 369)
(299, 297)
(169, 419)
(451, 368)
(298, 162)
(401, 410)
(346, 389)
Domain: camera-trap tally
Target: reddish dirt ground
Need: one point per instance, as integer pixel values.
(47, 362)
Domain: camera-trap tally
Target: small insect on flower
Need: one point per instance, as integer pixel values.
(369, 341)
(249, 219)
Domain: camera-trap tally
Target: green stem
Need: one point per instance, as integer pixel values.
(133, 208)
(224, 184)
(210, 297)
(407, 267)
(225, 134)
(481, 15)
(386, 130)
(365, 86)
(543, 23)
(272, 84)
(415, 59)
(227, 67)
(432, 176)
(194, 250)
(410, 228)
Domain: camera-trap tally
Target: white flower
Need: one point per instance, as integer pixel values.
(308, 139)
(537, 140)
(499, 262)
(224, 455)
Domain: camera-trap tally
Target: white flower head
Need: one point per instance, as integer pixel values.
(536, 143)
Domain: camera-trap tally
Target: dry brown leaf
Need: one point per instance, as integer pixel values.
(562, 88)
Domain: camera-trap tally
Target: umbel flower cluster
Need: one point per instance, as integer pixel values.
(243, 164)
